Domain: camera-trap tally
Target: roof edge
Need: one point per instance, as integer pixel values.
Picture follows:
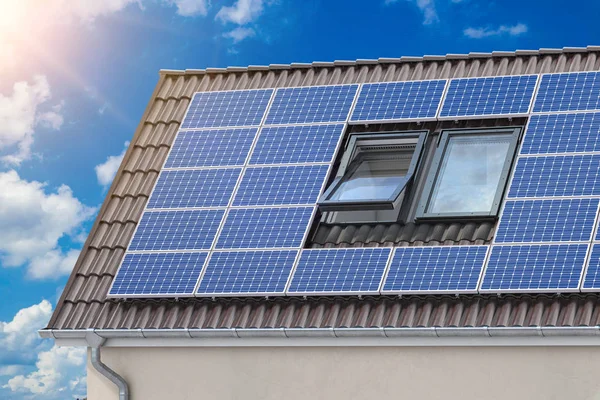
(383, 60)
(383, 336)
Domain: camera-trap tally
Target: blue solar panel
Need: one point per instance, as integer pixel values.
(212, 148)
(501, 95)
(556, 176)
(247, 272)
(534, 268)
(568, 92)
(311, 104)
(591, 281)
(223, 109)
(562, 133)
(357, 271)
(435, 269)
(296, 144)
(568, 220)
(398, 100)
(194, 188)
(257, 228)
(176, 230)
(158, 274)
(265, 186)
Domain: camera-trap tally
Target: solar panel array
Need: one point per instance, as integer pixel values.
(232, 206)
(340, 271)
(568, 92)
(440, 269)
(551, 206)
(499, 95)
(397, 101)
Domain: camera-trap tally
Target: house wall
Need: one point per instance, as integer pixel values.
(301, 373)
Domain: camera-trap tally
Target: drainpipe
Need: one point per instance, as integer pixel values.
(95, 342)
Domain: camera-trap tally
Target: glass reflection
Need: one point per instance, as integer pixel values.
(469, 174)
(374, 179)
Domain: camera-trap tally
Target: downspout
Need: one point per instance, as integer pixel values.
(95, 342)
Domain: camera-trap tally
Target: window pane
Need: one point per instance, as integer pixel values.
(469, 174)
(373, 179)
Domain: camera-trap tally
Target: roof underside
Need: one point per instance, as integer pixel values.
(83, 303)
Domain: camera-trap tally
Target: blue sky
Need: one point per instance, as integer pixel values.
(77, 75)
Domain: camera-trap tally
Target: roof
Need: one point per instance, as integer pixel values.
(84, 302)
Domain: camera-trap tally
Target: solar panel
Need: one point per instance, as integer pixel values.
(223, 109)
(398, 100)
(568, 220)
(311, 104)
(530, 268)
(264, 186)
(568, 92)
(158, 274)
(194, 188)
(591, 280)
(562, 133)
(176, 230)
(435, 269)
(336, 271)
(257, 228)
(296, 144)
(211, 148)
(247, 272)
(555, 176)
(500, 95)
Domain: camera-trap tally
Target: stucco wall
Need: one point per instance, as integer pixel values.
(290, 373)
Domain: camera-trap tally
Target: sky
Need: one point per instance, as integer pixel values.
(77, 75)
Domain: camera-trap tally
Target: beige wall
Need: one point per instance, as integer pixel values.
(303, 373)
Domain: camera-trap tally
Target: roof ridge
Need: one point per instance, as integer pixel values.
(382, 60)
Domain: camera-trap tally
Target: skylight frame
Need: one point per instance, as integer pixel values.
(348, 166)
(434, 174)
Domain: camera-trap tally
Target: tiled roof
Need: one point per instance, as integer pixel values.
(83, 303)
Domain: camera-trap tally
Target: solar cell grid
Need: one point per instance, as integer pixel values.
(285, 185)
(556, 176)
(311, 104)
(562, 133)
(568, 92)
(296, 144)
(435, 269)
(212, 148)
(225, 109)
(533, 268)
(194, 188)
(176, 230)
(158, 274)
(568, 220)
(247, 272)
(338, 271)
(398, 100)
(257, 228)
(501, 95)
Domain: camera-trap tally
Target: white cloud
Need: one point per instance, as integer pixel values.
(21, 332)
(20, 113)
(240, 33)
(33, 220)
(427, 8)
(190, 8)
(242, 12)
(10, 370)
(479, 33)
(58, 369)
(59, 372)
(106, 171)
